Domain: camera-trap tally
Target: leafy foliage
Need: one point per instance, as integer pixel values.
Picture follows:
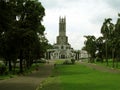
(106, 46)
(21, 32)
(90, 47)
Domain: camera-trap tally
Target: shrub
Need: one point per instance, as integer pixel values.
(3, 69)
(66, 62)
(42, 60)
(98, 59)
(73, 61)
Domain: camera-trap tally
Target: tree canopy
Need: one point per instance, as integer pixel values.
(106, 46)
(21, 31)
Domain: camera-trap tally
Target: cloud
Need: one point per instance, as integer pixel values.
(84, 17)
(114, 4)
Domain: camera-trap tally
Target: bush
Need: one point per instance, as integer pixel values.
(42, 60)
(3, 69)
(98, 59)
(73, 61)
(66, 62)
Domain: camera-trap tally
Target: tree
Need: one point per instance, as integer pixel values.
(90, 46)
(100, 48)
(6, 25)
(30, 15)
(116, 42)
(106, 30)
(20, 38)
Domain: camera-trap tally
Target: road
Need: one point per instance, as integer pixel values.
(29, 82)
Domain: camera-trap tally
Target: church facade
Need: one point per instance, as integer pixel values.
(62, 49)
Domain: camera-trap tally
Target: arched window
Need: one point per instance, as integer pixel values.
(62, 47)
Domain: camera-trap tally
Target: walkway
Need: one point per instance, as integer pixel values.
(29, 82)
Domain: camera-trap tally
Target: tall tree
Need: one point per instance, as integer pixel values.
(30, 14)
(116, 42)
(6, 25)
(106, 30)
(19, 36)
(100, 48)
(90, 46)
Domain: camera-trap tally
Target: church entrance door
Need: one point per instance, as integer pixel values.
(62, 56)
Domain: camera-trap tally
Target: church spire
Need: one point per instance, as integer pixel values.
(62, 26)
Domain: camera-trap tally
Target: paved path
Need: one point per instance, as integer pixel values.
(29, 82)
(101, 68)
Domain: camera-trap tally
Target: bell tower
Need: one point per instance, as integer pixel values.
(62, 26)
(62, 49)
(62, 38)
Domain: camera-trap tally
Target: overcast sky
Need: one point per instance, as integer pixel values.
(83, 17)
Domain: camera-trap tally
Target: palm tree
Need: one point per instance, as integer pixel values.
(112, 40)
(99, 44)
(116, 41)
(106, 30)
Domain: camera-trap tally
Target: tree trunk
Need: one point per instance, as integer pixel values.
(10, 66)
(106, 53)
(113, 58)
(27, 64)
(117, 63)
(14, 66)
(113, 63)
(21, 67)
(6, 63)
(21, 61)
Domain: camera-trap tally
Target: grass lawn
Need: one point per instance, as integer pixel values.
(110, 64)
(80, 77)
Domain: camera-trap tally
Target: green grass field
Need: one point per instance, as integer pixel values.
(110, 64)
(80, 77)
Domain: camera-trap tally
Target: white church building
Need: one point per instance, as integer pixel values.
(62, 49)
